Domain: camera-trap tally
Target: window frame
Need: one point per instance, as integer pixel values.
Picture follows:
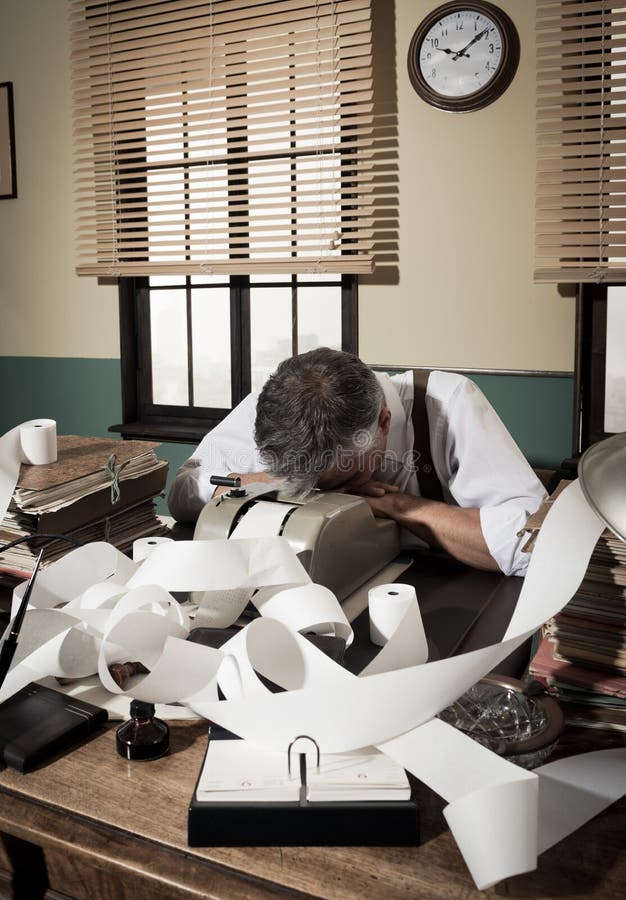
(590, 373)
(140, 417)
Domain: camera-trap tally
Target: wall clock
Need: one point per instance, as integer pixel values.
(463, 56)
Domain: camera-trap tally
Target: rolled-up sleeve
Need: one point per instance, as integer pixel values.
(484, 469)
(228, 448)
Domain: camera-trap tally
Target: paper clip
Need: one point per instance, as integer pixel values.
(305, 737)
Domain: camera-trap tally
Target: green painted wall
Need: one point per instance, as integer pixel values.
(537, 410)
(84, 397)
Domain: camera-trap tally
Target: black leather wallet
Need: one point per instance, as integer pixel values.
(37, 723)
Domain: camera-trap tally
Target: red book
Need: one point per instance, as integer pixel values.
(548, 670)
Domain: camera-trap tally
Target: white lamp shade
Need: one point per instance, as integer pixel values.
(602, 476)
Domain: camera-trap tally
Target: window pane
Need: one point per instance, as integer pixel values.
(207, 211)
(168, 337)
(270, 331)
(210, 316)
(321, 276)
(210, 279)
(167, 281)
(264, 279)
(615, 384)
(319, 318)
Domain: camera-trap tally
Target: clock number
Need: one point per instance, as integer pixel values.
(491, 48)
(433, 73)
(434, 42)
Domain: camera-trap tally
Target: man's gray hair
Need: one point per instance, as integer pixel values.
(316, 412)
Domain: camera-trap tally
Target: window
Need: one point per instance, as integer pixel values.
(235, 172)
(600, 363)
(194, 346)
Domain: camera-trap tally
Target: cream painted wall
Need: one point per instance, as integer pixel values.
(465, 296)
(45, 309)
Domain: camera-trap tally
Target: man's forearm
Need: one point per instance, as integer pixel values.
(451, 528)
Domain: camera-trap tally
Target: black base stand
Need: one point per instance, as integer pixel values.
(384, 823)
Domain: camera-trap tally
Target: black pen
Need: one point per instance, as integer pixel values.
(8, 648)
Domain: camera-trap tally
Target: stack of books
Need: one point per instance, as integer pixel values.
(99, 489)
(580, 656)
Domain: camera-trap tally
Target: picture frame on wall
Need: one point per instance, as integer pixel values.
(8, 179)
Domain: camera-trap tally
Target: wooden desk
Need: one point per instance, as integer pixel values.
(92, 825)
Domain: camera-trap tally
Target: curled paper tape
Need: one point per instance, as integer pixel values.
(38, 441)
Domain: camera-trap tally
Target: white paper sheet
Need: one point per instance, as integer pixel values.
(263, 519)
(306, 607)
(216, 565)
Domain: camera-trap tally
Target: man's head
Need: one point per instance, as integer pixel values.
(321, 419)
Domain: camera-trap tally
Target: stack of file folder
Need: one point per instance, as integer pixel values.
(99, 489)
(580, 657)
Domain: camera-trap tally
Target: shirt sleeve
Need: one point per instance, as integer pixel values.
(486, 470)
(228, 448)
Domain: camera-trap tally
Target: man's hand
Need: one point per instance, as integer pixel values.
(365, 486)
(386, 505)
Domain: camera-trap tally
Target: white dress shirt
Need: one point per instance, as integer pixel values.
(476, 460)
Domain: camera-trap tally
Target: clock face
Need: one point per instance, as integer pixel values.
(463, 55)
(460, 53)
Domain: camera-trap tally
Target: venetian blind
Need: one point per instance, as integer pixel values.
(581, 141)
(223, 137)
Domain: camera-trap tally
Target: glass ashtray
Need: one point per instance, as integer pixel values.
(513, 718)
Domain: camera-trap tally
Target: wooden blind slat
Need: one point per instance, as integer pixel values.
(580, 230)
(229, 136)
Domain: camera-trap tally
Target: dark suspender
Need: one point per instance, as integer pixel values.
(426, 475)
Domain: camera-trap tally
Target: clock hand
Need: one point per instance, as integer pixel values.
(476, 37)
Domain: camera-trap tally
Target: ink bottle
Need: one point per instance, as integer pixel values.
(143, 736)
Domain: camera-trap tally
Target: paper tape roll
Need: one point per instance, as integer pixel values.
(143, 547)
(264, 519)
(38, 440)
(388, 604)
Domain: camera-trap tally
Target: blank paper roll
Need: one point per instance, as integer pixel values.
(38, 439)
(388, 604)
(143, 547)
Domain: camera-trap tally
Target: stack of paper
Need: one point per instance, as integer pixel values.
(98, 489)
(581, 656)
